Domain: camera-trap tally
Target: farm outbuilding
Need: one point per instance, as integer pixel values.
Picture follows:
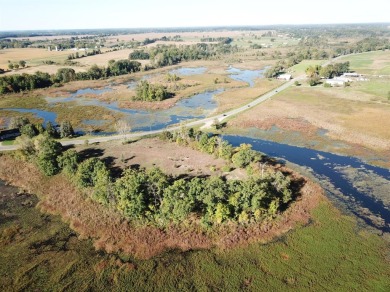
(284, 76)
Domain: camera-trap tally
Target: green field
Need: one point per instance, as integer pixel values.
(300, 68)
(39, 252)
(376, 63)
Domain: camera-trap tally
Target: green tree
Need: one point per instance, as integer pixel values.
(29, 130)
(22, 63)
(66, 130)
(65, 75)
(131, 193)
(245, 155)
(222, 213)
(10, 66)
(103, 188)
(47, 151)
(69, 161)
(51, 130)
(87, 170)
(177, 203)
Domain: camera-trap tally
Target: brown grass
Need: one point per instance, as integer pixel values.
(112, 233)
(345, 119)
(102, 59)
(238, 96)
(51, 69)
(32, 56)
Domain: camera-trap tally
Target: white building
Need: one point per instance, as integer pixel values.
(352, 75)
(284, 76)
(335, 82)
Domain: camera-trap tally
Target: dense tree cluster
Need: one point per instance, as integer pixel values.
(139, 55)
(163, 55)
(13, 43)
(315, 73)
(151, 92)
(21, 82)
(153, 196)
(31, 130)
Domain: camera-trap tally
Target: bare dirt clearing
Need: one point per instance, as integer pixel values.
(172, 158)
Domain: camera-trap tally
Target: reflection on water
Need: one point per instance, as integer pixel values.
(247, 76)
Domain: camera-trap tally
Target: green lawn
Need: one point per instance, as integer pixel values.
(377, 63)
(8, 142)
(300, 68)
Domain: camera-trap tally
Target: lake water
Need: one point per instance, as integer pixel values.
(330, 168)
(248, 76)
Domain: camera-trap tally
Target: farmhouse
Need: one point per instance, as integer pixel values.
(9, 134)
(284, 76)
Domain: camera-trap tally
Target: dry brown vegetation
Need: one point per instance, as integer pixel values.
(112, 233)
(32, 56)
(345, 114)
(238, 96)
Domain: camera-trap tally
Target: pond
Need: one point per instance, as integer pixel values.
(189, 71)
(247, 76)
(341, 172)
(195, 107)
(47, 116)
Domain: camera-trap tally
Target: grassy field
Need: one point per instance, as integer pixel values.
(32, 56)
(39, 252)
(300, 68)
(239, 96)
(374, 63)
(354, 116)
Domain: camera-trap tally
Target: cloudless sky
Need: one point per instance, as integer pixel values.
(71, 14)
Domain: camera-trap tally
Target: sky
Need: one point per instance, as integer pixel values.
(79, 14)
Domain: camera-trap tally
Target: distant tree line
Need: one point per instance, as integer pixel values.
(223, 40)
(22, 82)
(163, 55)
(14, 44)
(87, 54)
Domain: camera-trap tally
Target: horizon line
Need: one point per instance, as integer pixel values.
(201, 26)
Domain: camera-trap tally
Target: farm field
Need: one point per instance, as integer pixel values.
(372, 63)
(34, 57)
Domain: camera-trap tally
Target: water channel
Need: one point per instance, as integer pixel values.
(332, 172)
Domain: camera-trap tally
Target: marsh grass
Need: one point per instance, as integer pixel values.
(42, 253)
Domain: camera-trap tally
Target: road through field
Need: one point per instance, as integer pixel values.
(202, 122)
